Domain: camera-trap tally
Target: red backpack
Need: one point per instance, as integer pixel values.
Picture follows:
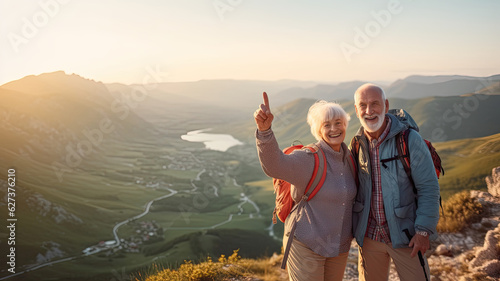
(284, 202)
(404, 154)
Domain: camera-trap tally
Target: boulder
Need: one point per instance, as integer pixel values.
(490, 268)
(443, 250)
(493, 182)
(488, 252)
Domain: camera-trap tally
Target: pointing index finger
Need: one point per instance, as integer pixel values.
(266, 101)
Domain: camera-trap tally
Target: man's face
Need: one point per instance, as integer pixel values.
(371, 109)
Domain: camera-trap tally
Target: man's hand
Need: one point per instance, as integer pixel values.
(263, 116)
(419, 243)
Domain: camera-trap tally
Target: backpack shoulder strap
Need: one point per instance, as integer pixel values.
(354, 147)
(354, 168)
(404, 154)
(316, 181)
(319, 173)
(404, 151)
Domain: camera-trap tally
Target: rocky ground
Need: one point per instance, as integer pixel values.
(473, 254)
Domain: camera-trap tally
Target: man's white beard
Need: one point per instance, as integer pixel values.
(371, 127)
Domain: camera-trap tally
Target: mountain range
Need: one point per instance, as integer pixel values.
(412, 87)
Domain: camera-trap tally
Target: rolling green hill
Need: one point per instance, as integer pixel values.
(467, 162)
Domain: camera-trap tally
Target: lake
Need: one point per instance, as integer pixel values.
(219, 142)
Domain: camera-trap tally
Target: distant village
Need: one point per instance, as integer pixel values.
(145, 232)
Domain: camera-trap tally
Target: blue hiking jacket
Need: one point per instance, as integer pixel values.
(403, 208)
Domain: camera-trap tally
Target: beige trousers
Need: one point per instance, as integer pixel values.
(305, 265)
(375, 257)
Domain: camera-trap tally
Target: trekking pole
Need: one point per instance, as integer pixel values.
(420, 257)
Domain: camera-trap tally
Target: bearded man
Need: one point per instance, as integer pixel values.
(393, 216)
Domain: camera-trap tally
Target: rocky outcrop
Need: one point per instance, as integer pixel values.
(52, 251)
(486, 258)
(474, 253)
(493, 182)
(46, 208)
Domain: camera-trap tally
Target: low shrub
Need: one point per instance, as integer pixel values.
(460, 211)
(205, 271)
(232, 267)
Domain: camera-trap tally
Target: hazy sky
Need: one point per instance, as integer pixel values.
(189, 40)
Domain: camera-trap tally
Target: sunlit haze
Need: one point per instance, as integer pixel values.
(190, 40)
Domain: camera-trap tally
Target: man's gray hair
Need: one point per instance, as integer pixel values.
(367, 86)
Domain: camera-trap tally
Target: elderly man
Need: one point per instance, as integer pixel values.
(391, 220)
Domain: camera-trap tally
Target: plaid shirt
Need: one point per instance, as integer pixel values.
(378, 228)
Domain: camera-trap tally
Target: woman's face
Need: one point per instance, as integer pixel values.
(333, 132)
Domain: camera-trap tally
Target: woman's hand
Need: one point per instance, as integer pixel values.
(263, 116)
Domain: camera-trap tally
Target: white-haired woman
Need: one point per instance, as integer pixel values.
(323, 234)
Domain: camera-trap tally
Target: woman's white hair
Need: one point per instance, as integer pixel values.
(323, 111)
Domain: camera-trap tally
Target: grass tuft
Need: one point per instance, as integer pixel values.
(225, 268)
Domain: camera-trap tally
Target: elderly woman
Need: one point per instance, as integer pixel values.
(323, 233)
